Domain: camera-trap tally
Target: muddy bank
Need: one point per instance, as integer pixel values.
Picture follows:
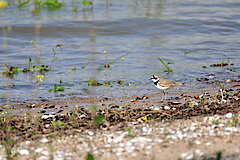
(109, 122)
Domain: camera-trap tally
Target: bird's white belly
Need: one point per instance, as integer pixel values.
(162, 88)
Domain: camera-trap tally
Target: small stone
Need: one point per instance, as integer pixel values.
(90, 133)
(199, 152)
(46, 153)
(146, 130)
(231, 129)
(229, 81)
(166, 107)
(155, 108)
(46, 116)
(187, 156)
(118, 139)
(229, 115)
(44, 140)
(158, 140)
(208, 143)
(197, 142)
(24, 152)
(118, 153)
(39, 150)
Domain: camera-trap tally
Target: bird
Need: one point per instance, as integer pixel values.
(163, 84)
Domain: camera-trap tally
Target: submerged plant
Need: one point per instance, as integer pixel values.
(168, 69)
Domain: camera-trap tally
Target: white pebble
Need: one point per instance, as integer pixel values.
(46, 153)
(39, 150)
(24, 152)
(90, 133)
(199, 152)
(187, 156)
(231, 129)
(166, 107)
(229, 115)
(146, 130)
(118, 139)
(208, 143)
(197, 142)
(46, 116)
(44, 140)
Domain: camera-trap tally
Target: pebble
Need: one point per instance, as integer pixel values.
(44, 140)
(199, 152)
(46, 116)
(187, 156)
(231, 129)
(208, 143)
(24, 152)
(197, 142)
(46, 153)
(39, 150)
(166, 107)
(146, 129)
(153, 107)
(90, 133)
(229, 115)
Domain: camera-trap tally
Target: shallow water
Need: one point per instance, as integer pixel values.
(190, 34)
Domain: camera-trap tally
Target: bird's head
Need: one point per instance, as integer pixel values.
(154, 78)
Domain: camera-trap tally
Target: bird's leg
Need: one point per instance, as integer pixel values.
(163, 97)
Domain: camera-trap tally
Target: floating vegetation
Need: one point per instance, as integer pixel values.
(10, 70)
(56, 88)
(37, 4)
(168, 69)
(93, 82)
(52, 4)
(186, 52)
(86, 3)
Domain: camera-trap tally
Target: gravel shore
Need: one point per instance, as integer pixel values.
(197, 126)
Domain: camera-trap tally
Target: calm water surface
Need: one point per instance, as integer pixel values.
(191, 34)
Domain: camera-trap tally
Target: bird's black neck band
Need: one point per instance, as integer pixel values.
(156, 82)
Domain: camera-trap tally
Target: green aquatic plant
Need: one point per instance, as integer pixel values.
(22, 3)
(186, 52)
(56, 88)
(93, 82)
(52, 4)
(10, 71)
(168, 69)
(86, 3)
(108, 65)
